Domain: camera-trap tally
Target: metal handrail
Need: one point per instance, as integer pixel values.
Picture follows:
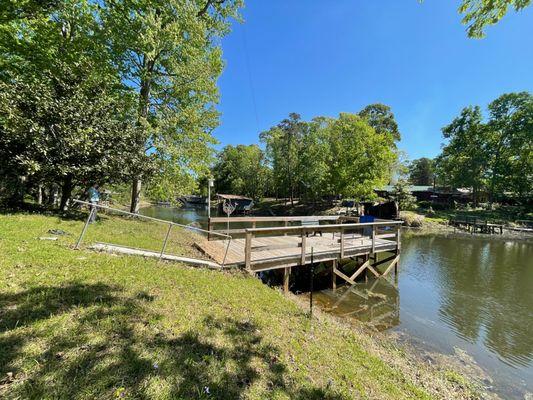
(170, 223)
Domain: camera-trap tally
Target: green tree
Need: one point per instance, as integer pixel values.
(464, 157)
(315, 158)
(478, 14)
(241, 170)
(167, 50)
(421, 171)
(61, 100)
(361, 157)
(495, 156)
(402, 195)
(380, 117)
(510, 145)
(284, 147)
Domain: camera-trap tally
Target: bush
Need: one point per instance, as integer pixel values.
(425, 204)
(412, 219)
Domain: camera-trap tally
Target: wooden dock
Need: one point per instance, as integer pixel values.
(473, 225)
(288, 246)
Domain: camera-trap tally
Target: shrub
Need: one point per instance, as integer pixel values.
(412, 219)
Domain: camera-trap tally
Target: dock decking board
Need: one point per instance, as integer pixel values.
(286, 251)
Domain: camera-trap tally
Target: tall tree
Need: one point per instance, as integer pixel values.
(495, 156)
(61, 100)
(241, 170)
(361, 157)
(421, 171)
(464, 156)
(381, 118)
(478, 14)
(510, 145)
(284, 149)
(168, 52)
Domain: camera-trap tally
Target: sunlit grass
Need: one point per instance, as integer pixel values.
(86, 325)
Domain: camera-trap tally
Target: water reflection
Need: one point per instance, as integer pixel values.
(463, 292)
(377, 303)
(486, 295)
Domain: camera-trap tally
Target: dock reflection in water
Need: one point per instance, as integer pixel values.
(458, 293)
(376, 303)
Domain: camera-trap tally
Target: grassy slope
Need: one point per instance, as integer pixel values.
(77, 324)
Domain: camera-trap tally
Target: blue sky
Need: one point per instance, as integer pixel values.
(322, 57)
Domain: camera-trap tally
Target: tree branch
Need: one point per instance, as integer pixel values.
(207, 5)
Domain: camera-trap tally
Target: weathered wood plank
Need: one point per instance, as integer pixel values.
(392, 265)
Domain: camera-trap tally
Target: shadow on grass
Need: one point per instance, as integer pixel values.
(97, 341)
(73, 214)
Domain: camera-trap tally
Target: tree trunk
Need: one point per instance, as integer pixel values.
(144, 104)
(40, 194)
(135, 196)
(66, 192)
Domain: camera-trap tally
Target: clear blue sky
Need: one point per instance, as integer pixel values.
(322, 57)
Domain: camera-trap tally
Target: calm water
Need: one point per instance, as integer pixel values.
(474, 294)
(458, 292)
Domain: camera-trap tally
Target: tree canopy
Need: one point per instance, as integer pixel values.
(421, 171)
(493, 155)
(241, 169)
(110, 90)
(478, 14)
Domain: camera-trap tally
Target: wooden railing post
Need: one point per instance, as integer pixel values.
(373, 239)
(398, 243)
(342, 243)
(248, 250)
(304, 240)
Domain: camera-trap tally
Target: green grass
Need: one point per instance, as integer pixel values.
(86, 325)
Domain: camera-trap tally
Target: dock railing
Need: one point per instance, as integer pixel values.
(375, 230)
(253, 222)
(171, 224)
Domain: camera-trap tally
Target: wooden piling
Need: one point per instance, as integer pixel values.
(286, 278)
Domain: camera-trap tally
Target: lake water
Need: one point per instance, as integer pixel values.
(454, 294)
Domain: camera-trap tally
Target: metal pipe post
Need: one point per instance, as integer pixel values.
(93, 210)
(165, 242)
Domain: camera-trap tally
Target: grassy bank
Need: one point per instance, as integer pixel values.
(84, 325)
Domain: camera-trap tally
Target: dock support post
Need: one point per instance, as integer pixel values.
(373, 239)
(286, 276)
(342, 243)
(333, 275)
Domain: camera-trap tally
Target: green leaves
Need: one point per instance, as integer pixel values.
(478, 14)
(329, 156)
(241, 170)
(495, 156)
(110, 90)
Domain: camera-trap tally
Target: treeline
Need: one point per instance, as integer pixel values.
(349, 155)
(491, 153)
(108, 92)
